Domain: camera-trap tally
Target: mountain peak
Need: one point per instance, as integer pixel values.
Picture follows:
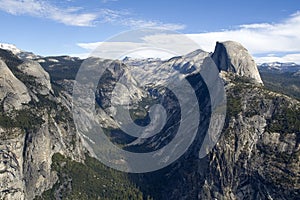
(23, 55)
(10, 47)
(231, 56)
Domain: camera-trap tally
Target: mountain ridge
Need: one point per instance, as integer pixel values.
(23, 55)
(44, 157)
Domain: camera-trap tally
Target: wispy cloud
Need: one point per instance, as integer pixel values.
(75, 16)
(106, 1)
(263, 38)
(293, 57)
(124, 18)
(135, 23)
(113, 16)
(68, 16)
(145, 43)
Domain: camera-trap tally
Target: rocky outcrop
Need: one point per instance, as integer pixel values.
(42, 79)
(255, 158)
(13, 93)
(25, 159)
(11, 167)
(40, 145)
(233, 57)
(33, 130)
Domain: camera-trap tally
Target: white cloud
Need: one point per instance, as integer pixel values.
(68, 16)
(124, 18)
(113, 16)
(150, 53)
(106, 1)
(256, 26)
(136, 23)
(258, 38)
(273, 58)
(118, 50)
(75, 17)
(263, 38)
(89, 46)
(145, 43)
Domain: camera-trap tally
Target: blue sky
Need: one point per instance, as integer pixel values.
(269, 29)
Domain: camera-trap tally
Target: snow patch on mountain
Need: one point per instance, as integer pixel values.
(279, 67)
(24, 55)
(11, 48)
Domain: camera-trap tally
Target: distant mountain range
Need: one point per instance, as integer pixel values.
(278, 67)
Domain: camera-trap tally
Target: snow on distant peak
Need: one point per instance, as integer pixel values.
(279, 67)
(24, 55)
(11, 48)
(279, 64)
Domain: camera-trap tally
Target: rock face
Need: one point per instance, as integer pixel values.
(31, 129)
(116, 72)
(255, 157)
(13, 93)
(11, 168)
(233, 57)
(41, 77)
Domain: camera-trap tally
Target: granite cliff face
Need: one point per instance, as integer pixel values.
(13, 93)
(255, 158)
(42, 155)
(35, 71)
(34, 125)
(233, 57)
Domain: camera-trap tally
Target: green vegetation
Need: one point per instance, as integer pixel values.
(140, 112)
(10, 59)
(271, 156)
(61, 112)
(285, 120)
(24, 119)
(284, 83)
(235, 95)
(89, 180)
(234, 104)
(64, 69)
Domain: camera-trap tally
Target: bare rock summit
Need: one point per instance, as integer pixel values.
(231, 56)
